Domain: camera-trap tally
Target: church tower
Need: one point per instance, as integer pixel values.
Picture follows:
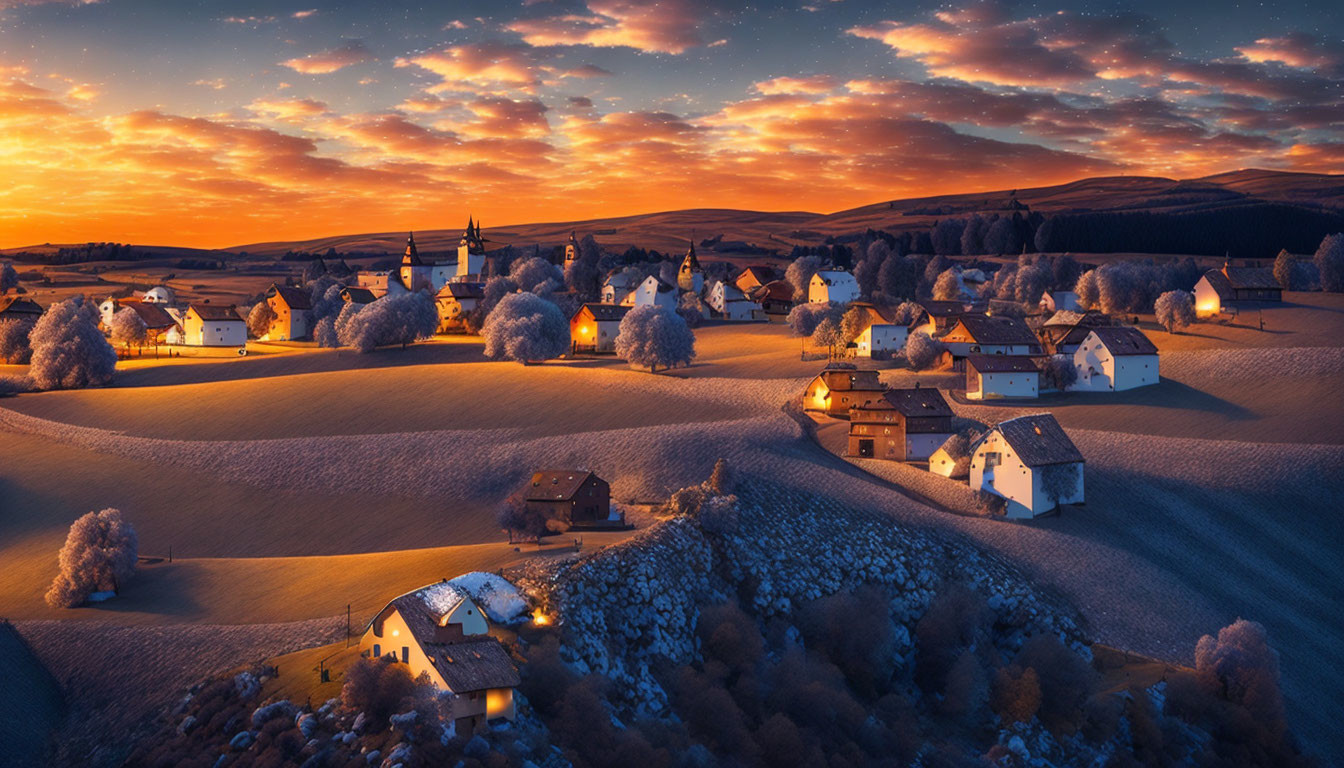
(690, 277)
(571, 250)
(414, 272)
(471, 251)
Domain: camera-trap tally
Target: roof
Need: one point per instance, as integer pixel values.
(1002, 363)
(1251, 278)
(759, 273)
(919, 401)
(462, 290)
(411, 258)
(943, 308)
(1068, 317)
(154, 315)
(663, 285)
(605, 312)
(998, 330)
(883, 315)
(19, 305)
(356, 295)
(848, 379)
(831, 276)
(777, 290)
(1220, 284)
(295, 298)
(556, 484)
(215, 312)
(1125, 340)
(690, 262)
(1039, 440)
(474, 664)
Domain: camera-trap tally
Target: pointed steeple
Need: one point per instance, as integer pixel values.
(411, 258)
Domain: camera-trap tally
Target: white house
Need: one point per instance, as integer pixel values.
(381, 283)
(1029, 462)
(1219, 290)
(440, 632)
(998, 335)
(653, 291)
(883, 336)
(832, 285)
(1115, 358)
(454, 300)
(594, 327)
(213, 325)
(729, 303)
(618, 285)
(992, 377)
(1055, 301)
(292, 307)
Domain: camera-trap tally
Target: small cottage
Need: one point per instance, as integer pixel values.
(1221, 290)
(726, 302)
(942, 463)
(775, 297)
(901, 425)
(576, 496)
(454, 300)
(937, 317)
(1029, 462)
(654, 291)
(992, 377)
(832, 285)
(440, 632)
(595, 326)
(1056, 301)
(291, 306)
(619, 284)
(213, 325)
(982, 334)
(15, 307)
(159, 325)
(835, 390)
(1063, 332)
(883, 336)
(1115, 358)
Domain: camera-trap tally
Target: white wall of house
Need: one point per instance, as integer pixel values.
(881, 338)
(468, 263)
(614, 293)
(1100, 371)
(219, 333)
(1006, 384)
(921, 445)
(1017, 483)
(963, 348)
(1207, 301)
(832, 285)
(648, 293)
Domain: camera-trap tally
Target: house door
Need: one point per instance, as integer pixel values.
(866, 449)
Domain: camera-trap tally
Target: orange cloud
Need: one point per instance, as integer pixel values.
(809, 84)
(348, 54)
(480, 65)
(669, 26)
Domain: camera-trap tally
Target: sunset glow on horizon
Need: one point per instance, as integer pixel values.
(218, 124)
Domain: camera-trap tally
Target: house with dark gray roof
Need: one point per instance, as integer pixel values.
(439, 631)
(901, 425)
(840, 387)
(1115, 358)
(292, 307)
(1030, 463)
(577, 498)
(594, 327)
(985, 335)
(993, 377)
(1221, 290)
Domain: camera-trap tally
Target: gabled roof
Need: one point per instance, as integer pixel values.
(294, 298)
(848, 379)
(153, 315)
(917, 401)
(998, 330)
(1002, 363)
(605, 312)
(474, 663)
(556, 484)
(663, 285)
(1039, 440)
(1218, 281)
(1125, 340)
(19, 305)
(1251, 278)
(462, 290)
(777, 290)
(760, 273)
(215, 312)
(833, 276)
(1068, 317)
(356, 295)
(880, 315)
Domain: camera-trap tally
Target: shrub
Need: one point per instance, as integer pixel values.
(1329, 260)
(525, 522)
(1240, 666)
(947, 287)
(377, 687)
(1175, 310)
(525, 328)
(651, 336)
(260, 318)
(1059, 372)
(99, 556)
(1017, 694)
(69, 351)
(1285, 264)
(128, 328)
(804, 318)
(14, 347)
(922, 350)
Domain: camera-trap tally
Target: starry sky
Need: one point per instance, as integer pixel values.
(210, 123)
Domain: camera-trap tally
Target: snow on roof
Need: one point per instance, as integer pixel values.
(442, 598)
(495, 595)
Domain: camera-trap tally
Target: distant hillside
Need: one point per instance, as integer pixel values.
(671, 231)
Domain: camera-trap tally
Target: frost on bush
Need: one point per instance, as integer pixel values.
(529, 274)
(525, 328)
(400, 319)
(69, 352)
(99, 556)
(14, 347)
(652, 336)
(128, 328)
(1240, 665)
(922, 351)
(1059, 372)
(1175, 310)
(947, 287)
(805, 318)
(260, 319)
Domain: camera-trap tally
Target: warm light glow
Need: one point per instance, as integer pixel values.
(396, 632)
(540, 618)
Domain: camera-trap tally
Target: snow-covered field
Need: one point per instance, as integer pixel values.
(317, 494)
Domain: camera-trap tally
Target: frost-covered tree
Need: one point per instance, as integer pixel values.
(867, 270)
(1175, 310)
(1059, 481)
(99, 556)
(1240, 666)
(1059, 372)
(324, 333)
(14, 347)
(69, 351)
(973, 236)
(804, 318)
(1001, 237)
(584, 274)
(326, 300)
(1031, 282)
(526, 522)
(260, 319)
(799, 275)
(128, 328)
(1066, 272)
(8, 278)
(495, 289)
(898, 277)
(854, 322)
(344, 320)
(394, 319)
(907, 312)
(691, 308)
(947, 287)
(1284, 266)
(525, 328)
(1089, 295)
(922, 350)
(528, 274)
(829, 334)
(652, 336)
(1329, 260)
(946, 237)
(936, 266)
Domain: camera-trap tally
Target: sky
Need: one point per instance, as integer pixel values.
(212, 124)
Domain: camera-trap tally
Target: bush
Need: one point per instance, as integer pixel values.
(128, 328)
(1017, 694)
(14, 347)
(1240, 666)
(69, 352)
(528, 274)
(947, 287)
(1175, 310)
(377, 687)
(804, 318)
(400, 319)
(527, 523)
(1329, 260)
(99, 556)
(260, 319)
(651, 336)
(1066, 681)
(525, 328)
(922, 350)
(1059, 372)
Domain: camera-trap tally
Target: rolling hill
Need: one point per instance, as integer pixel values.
(670, 231)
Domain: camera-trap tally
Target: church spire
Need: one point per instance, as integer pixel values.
(412, 256)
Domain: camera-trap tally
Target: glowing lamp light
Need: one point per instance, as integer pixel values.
(396, 632)
(540, 618)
